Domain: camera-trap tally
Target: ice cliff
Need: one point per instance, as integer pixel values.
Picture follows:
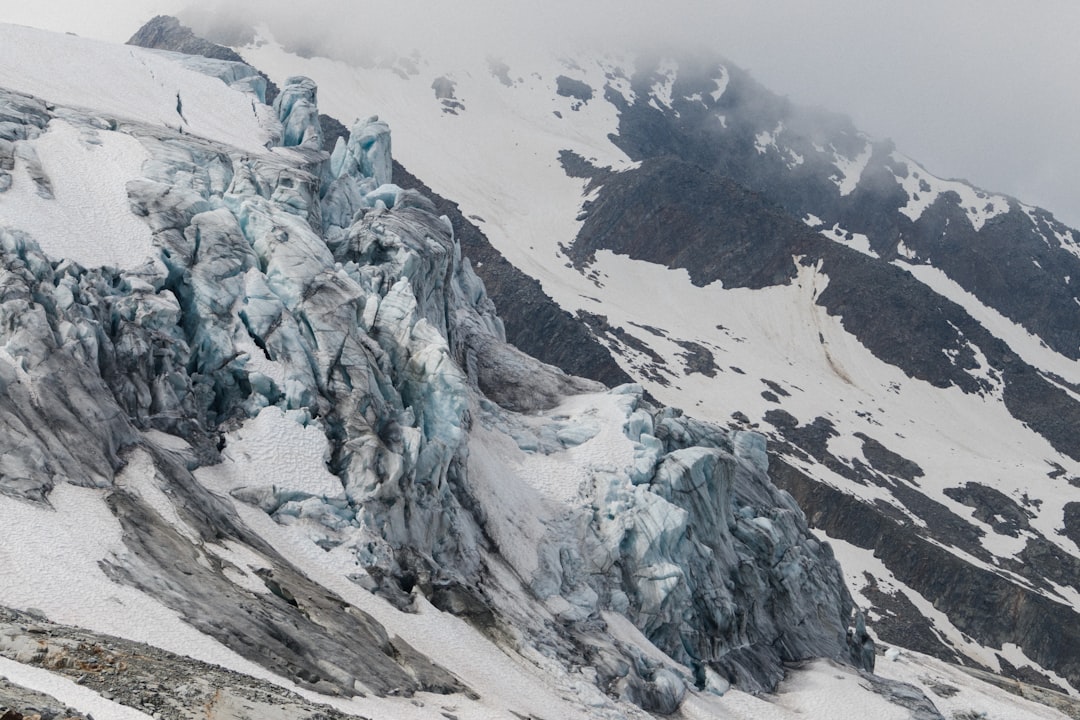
(566, 522)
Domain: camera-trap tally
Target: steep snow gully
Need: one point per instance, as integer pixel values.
(290, 300)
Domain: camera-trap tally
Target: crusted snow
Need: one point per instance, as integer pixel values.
(562, 476)
(140, 85)
(88, 170)
(281, 449)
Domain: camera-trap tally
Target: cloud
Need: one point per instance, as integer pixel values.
(985, 90)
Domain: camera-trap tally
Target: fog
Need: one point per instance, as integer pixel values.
(984, 90)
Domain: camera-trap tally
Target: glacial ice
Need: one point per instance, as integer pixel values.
(298, 111)
(303, 284)
(237, 75)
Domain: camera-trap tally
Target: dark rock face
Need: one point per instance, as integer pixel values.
(571, 88)
(1048, 631)
(992, 507)
(673, 213)
(165, 32)
(1072, 522)
(886, 461)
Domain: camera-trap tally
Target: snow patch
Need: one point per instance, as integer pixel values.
(1029, 347)
(851, 169)
(721, 85)
(88, 219)
(923, 189)
(668, 70)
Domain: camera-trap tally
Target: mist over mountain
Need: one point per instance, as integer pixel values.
(317, 423)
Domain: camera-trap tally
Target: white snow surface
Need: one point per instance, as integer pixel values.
(851, 169)
(88, 219)
(127, 83)
(281, 449)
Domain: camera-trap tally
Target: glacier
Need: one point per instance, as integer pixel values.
(294, 281)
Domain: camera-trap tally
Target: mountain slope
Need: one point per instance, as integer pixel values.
(261, 412)
(273, 425)
(907, 342)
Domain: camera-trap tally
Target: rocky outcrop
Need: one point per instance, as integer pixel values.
(165, 32)
(1045, 629)
(136, 675)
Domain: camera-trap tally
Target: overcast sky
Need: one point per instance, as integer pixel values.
(985, 90)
